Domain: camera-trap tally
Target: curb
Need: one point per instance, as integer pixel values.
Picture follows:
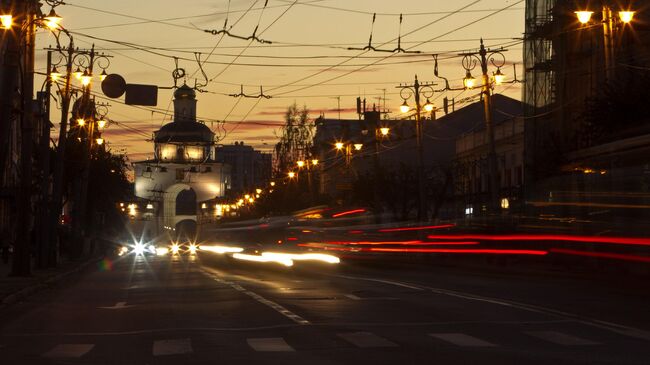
(25, 292)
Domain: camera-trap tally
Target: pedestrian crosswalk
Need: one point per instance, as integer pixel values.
(348, 339)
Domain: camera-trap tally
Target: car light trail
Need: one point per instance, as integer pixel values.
(542, 237)
(605, 255)
(221, 249)
(400, 243)
(460, 251)
(284, 261)
(342, 214)
(330, 259)
(162, 251)
(421, 228)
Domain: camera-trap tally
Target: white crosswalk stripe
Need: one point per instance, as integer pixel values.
(366, 339)
(69, 351)
(461, 339)
(172, 347)
(560, 338)
(272, 344)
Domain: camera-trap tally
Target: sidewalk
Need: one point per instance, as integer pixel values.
(14, 289)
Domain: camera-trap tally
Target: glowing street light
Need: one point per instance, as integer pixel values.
(626, 16)
(469, 81)
(78, 73)
(86, 78)
(300, 164)
(52, 20)
(103, 76)
(6, 21)
(428, 106)
(584, 16)
(499, 77)
(55, 75)
(81, 122)
(100, 141)
(358, 146)
(404, 108)
(314, 162)
(272, 183)
(384, 131)
(258, 191)
(291, 174)
(101, 124)
(339, 145)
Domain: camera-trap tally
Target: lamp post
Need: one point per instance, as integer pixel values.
(418, 90)
(470, 61)
(73, 59)
(611, 23)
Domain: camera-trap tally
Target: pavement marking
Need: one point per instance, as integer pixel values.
(273, 305)
(389, 282)
(561, 338)
(461, 339)
(366, 339)
(118, 305)
(69, 350)
(596, 323)
(272, 344)
(355, 297)
(172, 347)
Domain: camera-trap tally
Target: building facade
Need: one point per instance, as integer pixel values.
(587, 129)
(184, 172)
(249, 168)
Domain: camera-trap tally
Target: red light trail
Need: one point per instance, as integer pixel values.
(541, 237)
(422, 228)
(605, 255)
(348, 213)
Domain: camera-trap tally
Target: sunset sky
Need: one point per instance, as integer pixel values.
(307, 62)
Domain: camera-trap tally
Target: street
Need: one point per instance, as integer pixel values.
(210, 310)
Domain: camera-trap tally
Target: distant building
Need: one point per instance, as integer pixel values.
(471, 174)
(249, 169)
(183, 172)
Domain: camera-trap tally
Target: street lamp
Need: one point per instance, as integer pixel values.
(6, 21)
(626, 16)
(291, 174)
(100, 141)
(52, 20)
(358, 146)
(584, 16)
(101, 124)
(404, 108)
(301, 164)
(384, 131)
(470, 61)
(338, 145)
(418, 90)
(314, 162)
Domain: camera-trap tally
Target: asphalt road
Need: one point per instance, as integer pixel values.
(202, 311)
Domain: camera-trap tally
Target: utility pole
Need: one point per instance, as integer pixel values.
(416, 89)
(44, 220)
(57, 181)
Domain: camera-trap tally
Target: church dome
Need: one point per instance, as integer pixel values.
(184, 92)
(184, 132)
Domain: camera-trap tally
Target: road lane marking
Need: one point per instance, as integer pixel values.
(273, 305)
(172, 347)
(561, 338)
(388, 282)
(605, 325)
(461, 339)
(366, 339)
(355, 297)
(69, 350)
(118, 305)
(352, 296)
(273, 344)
